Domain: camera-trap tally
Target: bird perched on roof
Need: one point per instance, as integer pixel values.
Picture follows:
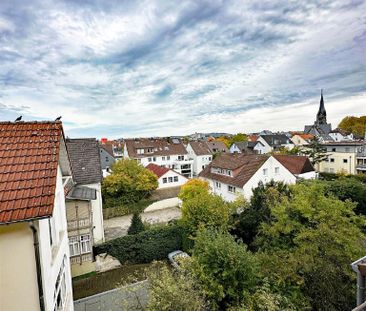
(59, 118)
(18, 119)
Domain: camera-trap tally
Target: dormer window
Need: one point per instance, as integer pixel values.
(150, 150)
(222, 171)
(140, 151)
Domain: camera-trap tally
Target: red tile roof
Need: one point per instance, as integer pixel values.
(157, 170)
(295, 164)
(29, 155)
(244, 167)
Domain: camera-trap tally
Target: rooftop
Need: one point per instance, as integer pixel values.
(295, 164)
(157, 170)
(29, 157)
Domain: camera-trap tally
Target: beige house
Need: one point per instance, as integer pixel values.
(301, 139)
(343, 157)
(34, 262)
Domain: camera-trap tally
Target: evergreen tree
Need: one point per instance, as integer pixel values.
(315, 151)
(136, 224)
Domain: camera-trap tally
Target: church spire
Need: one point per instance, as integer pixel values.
(321, 117)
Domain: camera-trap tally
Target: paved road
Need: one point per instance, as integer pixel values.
(118, 226)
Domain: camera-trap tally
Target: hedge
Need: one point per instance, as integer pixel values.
(333, 176)
(144, 247)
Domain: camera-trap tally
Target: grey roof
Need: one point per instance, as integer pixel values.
(217, 146)
(276, 139)
(243, 145)
(318, 129)
(82, 193)
(85, 160)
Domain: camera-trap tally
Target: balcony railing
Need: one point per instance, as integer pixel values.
(361, 166)
(84, 258)
(81, 223)
(361, 154)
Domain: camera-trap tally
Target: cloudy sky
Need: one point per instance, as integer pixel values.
(144, 68)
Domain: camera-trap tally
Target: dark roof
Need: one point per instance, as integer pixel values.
(213, 145)
(107, 148)
(200, 147)
(159, 146)
(85, 160)
(82, 193)
(157, 170)
(295, 164)
(29, 157)
(275, 139)
(243, 166)
(244, 145)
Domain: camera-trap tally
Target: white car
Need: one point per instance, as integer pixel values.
(175, 258)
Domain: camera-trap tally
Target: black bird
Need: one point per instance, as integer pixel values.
(18, 119)
(59, 118)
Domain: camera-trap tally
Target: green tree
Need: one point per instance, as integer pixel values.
(354, 125)
(129, 181)
(238, 138)
(315, 151)
(224, 268)
(309, 244)
(174, 291)
(258, 211)
(136, 224)
(192, 188)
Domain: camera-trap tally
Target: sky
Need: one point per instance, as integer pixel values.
(148, 68)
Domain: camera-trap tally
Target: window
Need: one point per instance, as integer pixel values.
(85, 243)
(60, 289)
(163, 158)
(277, 170)
(170, 179)
(165, 180)
(140, 151)
(74, 245)
(154, 159)
(231, 189)
(217, 185)
(149, 159)
(209, 158)
(228, 172)
(334, 149)
(150, 150)
(265, 171)
(345, 161)
(180, 158)
(331, 160)
(175, 178)
(168, 158)
(107, 169)
(106, 159)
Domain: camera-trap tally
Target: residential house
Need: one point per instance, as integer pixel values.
(201, 155)
(217, 147)
(166, 152)
(247, 147)
(340, 135)
(167, 177)
(85, 160)
(34, 262)
(299, 166)
(106, 158)
(273, 142)
(113, 147)
(343, 157)
(301, 139)
(230, 175)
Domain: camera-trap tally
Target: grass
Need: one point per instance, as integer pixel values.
(94, 283)
(126, 209)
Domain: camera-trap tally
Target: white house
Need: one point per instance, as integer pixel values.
(340, 135)
(34, 262)
(274, 142)
(167, 177)
(301, 139)
(247, 147)
(166, 152)
(230, 175)
(85, 160)
(201, 155)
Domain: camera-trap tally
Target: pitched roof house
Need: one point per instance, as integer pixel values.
(87, 172)
(168, 152)
(300, 166)
(248, 147)
(33, 164)
(233, 174)
(273, 142)
(166, 176)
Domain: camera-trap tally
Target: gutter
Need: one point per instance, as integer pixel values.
(38, 266)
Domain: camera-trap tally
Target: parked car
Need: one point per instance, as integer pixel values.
(176, 257)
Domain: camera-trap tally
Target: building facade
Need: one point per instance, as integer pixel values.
(167, 178)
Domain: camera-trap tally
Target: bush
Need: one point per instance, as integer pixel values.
(144, 247)
(115, 207)
(136, 224)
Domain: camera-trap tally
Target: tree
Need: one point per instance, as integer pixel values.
(315, 151)
(354, 125)
(192, 188)
(171, 290)
(259, 210)
(286, 151)
(129, 181)
(136, 224)
(311, 240)
(238, 138)
(224, 140)
(224, 268)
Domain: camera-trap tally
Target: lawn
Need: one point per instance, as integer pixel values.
(94, 283)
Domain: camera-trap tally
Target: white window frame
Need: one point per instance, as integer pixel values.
(277, 170)
(231, 189)
(175, 178)
(170, 179)
(265, 171)
(165, 180)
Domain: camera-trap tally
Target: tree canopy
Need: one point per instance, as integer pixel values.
(315, 151)
(355, 125)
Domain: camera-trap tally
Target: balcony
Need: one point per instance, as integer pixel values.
(361, 166)
(81, 223)
(361, 154)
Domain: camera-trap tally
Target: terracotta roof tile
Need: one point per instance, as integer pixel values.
(157, 170)
(29, 153)
(243, 166)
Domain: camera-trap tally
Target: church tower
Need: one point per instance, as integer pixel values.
(321, 117)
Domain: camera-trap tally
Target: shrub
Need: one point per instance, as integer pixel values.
(144, 247)
(136, 224)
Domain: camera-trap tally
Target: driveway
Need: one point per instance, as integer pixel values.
(158, 213)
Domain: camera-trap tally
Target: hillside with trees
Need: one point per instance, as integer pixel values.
(354, 125)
